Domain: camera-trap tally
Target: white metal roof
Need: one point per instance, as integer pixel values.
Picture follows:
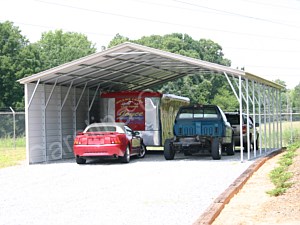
(130, 66)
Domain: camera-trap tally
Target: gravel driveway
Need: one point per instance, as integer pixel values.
(145, 191)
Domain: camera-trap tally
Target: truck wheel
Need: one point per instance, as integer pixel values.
(187, 153)
(230, 148)
(169, 152)
(80, 160)
(216, 149)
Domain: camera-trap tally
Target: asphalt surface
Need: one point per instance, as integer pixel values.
(145, 191)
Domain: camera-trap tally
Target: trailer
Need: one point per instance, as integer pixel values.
(150, 113)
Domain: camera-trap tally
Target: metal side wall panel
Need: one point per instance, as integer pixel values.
(67, 124)
(82, 110)
(53, 130)
(95, 108)
(36, 147)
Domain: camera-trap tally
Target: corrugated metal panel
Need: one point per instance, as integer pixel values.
(34, 123)
(132, 67)
(52, 122)
(68, 123)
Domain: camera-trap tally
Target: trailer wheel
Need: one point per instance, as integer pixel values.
(216, 149)
(169, 152)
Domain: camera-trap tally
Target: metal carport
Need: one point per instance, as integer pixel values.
(60, 101)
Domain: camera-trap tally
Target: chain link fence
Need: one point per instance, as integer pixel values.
(12, 124)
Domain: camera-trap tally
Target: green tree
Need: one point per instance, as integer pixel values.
(19, 58)
(118, 39)
(12, 43)
(200, 87)
(226, 100)
(57, 47)
(296, 98)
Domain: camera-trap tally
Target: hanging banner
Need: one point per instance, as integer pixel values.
(131, 111)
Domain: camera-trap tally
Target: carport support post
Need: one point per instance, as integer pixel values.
(277, 119)
(269, 116)
(265, 117)
(254, 119)
(273, 115)
(74, 113)
(241, 118)
(280, 118)
(247, 110)
(259, 117)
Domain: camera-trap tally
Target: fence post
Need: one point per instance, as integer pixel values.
(14, 122)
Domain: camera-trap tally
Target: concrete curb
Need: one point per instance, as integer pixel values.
(212, 212)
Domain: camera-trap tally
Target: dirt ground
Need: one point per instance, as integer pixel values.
(252, 206)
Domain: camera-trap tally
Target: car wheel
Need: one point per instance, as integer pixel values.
(142, 151)
(126, 157)
(80, 160)
(169, 152)
(216, 149)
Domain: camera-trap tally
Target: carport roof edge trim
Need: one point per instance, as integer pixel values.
(140, 49)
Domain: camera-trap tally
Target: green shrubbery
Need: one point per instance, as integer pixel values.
(280, 176)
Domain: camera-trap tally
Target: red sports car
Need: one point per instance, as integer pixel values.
(108, 140)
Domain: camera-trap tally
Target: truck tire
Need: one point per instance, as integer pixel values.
(169, 152)
(230, 148)
(216, 149)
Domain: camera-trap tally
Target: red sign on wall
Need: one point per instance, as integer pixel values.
(131, 111)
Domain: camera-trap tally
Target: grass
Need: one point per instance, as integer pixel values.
(288, 130)
(10, 156)
(280, 176)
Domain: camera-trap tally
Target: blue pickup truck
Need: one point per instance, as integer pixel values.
(200, 128)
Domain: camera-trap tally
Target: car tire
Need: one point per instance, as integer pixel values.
(187, 153)
(143, 151)
(216, 149)
(257, 142)
(169, 152)
(230, 149)
(80, 160)
(126, 157)
(246, 146)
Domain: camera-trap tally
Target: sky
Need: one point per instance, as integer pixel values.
(263, 36)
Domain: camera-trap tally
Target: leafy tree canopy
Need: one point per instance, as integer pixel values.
(19, 58)
(11, 45)
(296, 97)
(57, 47)
(200, 87)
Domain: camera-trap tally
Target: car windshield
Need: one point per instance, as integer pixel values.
(233, 119)
(102, 129)
(206, 112)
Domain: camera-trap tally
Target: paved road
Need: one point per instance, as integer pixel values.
(145, 191)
